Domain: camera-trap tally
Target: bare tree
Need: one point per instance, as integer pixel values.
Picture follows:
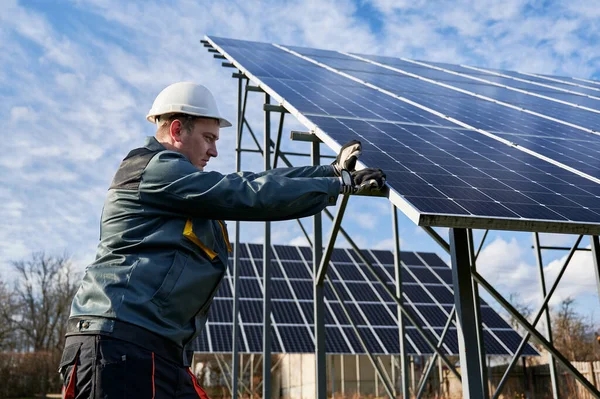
(44, 291)
(8, 308)
(574, 335)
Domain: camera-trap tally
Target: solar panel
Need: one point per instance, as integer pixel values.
(427, 290)
(519, 171)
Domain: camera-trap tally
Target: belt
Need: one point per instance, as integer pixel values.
(133, 334)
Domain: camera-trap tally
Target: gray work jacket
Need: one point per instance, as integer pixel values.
(163, 245)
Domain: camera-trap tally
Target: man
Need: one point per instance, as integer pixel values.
(163, 249)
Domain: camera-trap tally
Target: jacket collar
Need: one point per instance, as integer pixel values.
(153, 145)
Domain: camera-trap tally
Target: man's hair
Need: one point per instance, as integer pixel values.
(187, 122)
(164, 121)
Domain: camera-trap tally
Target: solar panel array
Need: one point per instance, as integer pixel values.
(461, 146)
(427, 291)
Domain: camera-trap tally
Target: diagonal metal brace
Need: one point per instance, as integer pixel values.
(320, 277)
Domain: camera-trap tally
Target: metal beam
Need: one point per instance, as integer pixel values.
(254, 88)
(219, 56)
(596, 257)
(470, 361)
(278, 140)
(401, 321)
(236, 255)
(318, 295)
(477, 313)
(267, 269)
(275, 108)
(437, 238)
(227, 65)
(540, 264)
(304, 136)
(320, 274)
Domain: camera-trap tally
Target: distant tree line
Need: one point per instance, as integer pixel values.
(34, 309)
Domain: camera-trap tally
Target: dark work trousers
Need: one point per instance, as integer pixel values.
(101, 367)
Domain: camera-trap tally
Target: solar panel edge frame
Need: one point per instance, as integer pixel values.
(423, 219)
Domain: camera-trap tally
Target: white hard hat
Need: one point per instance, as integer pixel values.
(186, 98)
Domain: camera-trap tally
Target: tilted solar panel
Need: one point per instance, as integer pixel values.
(453, 158)
(427, 291)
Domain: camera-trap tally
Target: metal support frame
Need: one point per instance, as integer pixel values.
(318, 294)
(401, 321)
(595, 244)
(470, 360)
(236, 249)
(540, 264)
(477, 314)
(267, 268)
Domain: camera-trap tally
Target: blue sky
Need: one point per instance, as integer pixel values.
(77, 78)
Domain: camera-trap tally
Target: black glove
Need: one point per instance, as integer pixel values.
(362, 181)
(347, 157)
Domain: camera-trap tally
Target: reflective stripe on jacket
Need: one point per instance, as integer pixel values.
(163, 245)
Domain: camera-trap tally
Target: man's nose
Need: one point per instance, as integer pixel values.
(212, 151)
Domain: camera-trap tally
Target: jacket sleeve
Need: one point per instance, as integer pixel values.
(301, 171)
(171, 182)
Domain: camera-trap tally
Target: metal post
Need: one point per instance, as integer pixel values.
(236, 250)
(357, 376)
(318, 296)
(401, 330)
(267, 270)
(596, 256)
(343, 376)
(466, 327)
(538, 254)
(476, 311)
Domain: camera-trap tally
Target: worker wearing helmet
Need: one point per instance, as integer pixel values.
(164, 247)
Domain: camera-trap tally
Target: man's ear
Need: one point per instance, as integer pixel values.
(175, 131)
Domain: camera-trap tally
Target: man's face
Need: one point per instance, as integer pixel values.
(200, 144)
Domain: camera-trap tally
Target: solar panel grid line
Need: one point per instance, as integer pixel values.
(561, 81)
(328, 305)
(262, 289)
(476, 95)
(208, 336)
(405, 204)
(364, 316)
(310, 331)
(530, 82)
(588, 80)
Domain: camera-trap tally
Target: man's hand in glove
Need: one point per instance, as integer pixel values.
(347, 157)
(362, 181)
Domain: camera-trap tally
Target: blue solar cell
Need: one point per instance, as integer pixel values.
(221, 336)
(221, 311)
(224, 290)
(378, 315)
(424, 275)
(280, 290)
(251, 311)
(249, 288)
(335, 342)
(433, 260)
(345, 271)
(295, 269)
(285, 252)
(433, 315)
(296, 340)
(286, 312)
(254, 336)
(303, 289)
(416, 294)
